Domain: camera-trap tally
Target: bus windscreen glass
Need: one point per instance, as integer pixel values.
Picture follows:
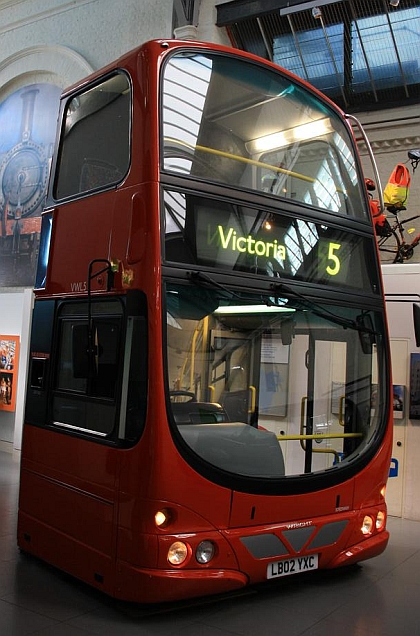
(246, 126)
(272, 387)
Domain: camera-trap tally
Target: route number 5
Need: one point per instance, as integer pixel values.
(335, 267)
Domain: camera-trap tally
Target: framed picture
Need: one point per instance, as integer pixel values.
(415, 386)
(9, 357)
(398, 391)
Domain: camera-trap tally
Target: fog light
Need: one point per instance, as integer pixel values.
(367, 525)
(177, 553)
(205, 552)
(380, 520)
(163, 518)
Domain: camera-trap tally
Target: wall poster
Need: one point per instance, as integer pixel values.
(28, 124)
(9, 357)
(398, 401)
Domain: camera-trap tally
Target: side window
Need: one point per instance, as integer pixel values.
(89, 367)
(100, 380)
(94, 151)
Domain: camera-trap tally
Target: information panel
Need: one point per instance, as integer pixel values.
(224, 236)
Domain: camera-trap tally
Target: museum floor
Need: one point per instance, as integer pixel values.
(378, 598)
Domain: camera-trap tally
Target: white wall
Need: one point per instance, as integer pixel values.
(98, 30)
(405, 279)
(207, 31)
(391, 134)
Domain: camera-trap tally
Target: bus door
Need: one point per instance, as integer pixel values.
(337, 388)
(235, 376)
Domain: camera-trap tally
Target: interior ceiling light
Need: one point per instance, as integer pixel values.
(252, 309)
(303, 132)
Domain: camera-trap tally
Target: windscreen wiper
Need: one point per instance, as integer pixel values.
(362, 323)
(199, 277)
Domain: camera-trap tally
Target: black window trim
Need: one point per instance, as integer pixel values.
(60, 138)
(112, 437)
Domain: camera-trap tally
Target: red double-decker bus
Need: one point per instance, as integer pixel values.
(208, 393)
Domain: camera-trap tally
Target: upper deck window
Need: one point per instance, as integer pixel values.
(95, 139)
(231, 121)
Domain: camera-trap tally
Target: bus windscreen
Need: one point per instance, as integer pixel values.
(245, 126)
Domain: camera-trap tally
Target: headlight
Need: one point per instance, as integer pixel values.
(177, 553)
(380, 520)
(205, 552)
(367, 525)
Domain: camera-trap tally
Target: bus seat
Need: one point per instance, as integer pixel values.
(198, 412)
(234, 398)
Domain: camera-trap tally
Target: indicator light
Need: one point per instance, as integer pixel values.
(380, 520)
(163, 518)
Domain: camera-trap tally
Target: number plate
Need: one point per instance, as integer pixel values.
(292, 566)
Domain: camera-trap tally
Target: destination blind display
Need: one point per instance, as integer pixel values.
(242, 239)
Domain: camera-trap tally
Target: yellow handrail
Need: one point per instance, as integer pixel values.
(332, 451)
(302, 437)
(253, 391)
(252, 162)
(319, 436)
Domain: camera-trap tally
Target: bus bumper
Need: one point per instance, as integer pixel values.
(366, 549)
(161, 586)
